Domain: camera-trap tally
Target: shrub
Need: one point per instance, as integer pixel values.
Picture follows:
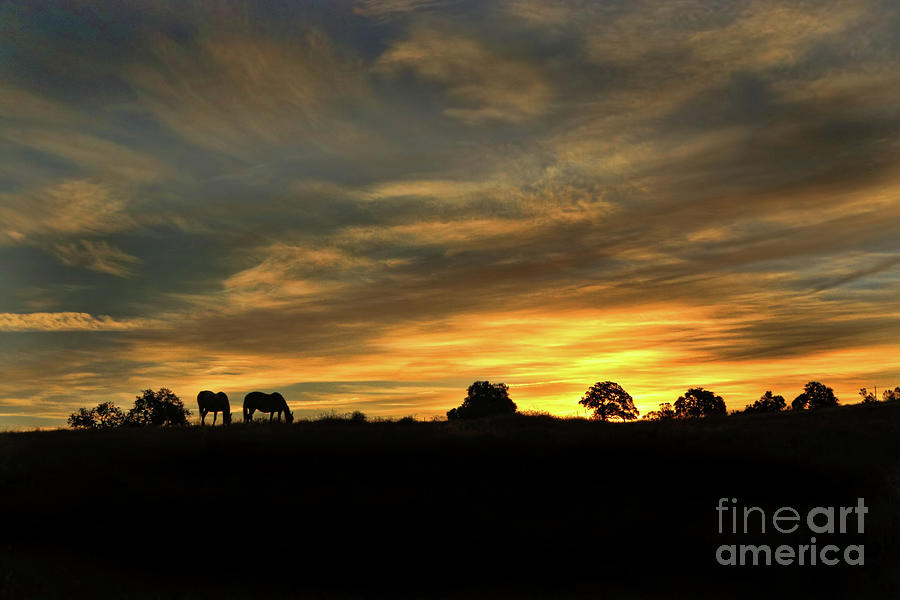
(767, 403)
(105, 415)
(664, 413)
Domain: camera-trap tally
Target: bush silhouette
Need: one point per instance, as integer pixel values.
(484, 399)
(697, 403)
(609, 400)
(103, 416)
(767, 403)
(665, 412)
(867, 396)
(888, 395)
(815, 395)
(891, 395)
(161, 407)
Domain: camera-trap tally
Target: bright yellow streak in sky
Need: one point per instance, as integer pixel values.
(547, 359)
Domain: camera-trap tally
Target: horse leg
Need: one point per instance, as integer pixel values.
(215, 416)
(202, 417)
(271, 414)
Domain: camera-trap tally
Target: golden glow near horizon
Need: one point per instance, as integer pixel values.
(371, 205)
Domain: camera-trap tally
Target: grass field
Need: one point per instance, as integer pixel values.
(525, 506)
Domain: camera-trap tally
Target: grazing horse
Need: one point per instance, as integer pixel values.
(267, 403)
(209, 402)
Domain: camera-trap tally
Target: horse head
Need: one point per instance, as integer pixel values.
(226, 417)
(289, 417)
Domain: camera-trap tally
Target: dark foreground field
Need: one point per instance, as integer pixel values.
(516, 507)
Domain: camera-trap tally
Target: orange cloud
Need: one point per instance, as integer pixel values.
(484, 84)
(67, 321)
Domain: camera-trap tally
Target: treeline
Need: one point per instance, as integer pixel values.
(698, 402)
(606, 400)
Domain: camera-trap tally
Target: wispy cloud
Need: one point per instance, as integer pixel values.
(97, 256)
(234, 93)
(70, 207)
(483, 84)
(66, 210)
(91, 153)
(387, 8)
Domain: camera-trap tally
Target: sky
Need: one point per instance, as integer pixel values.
(370, 205)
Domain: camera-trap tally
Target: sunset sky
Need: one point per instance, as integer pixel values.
(370, 205)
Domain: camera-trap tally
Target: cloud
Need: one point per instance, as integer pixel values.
(882, 265)
(236, 92)
(444, 190)
(22, 106)
(769, 33)
(96, 256)
(484, 85)
(543, 14)
(67, 321)
(100, 157)
(384, 9)
(70, 207)
(287, 274)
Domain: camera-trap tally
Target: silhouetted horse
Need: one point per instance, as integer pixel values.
(209, 402)
(267, 403)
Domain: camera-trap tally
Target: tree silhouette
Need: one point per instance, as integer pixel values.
(83, 418)
(767, 403)
(888, 395)
(484, 399)
(815, 395)
(891, 395)
(608, 400)
(103, 416)
(867, 396)
(664, 413)
(161, 407)
(697, 403)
